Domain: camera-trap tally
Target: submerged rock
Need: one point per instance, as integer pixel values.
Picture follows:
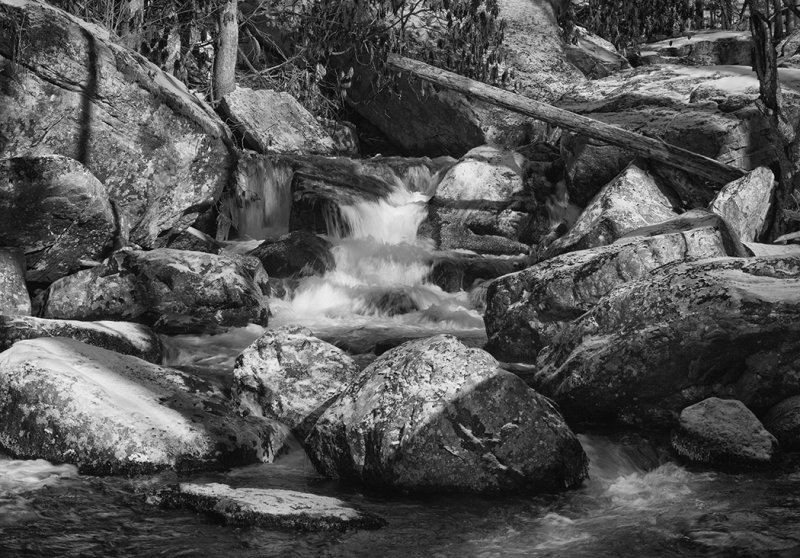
(107, 413)
(14, 297)
(526, 310)
(723, 432)
(744, 203)
(290, 375)
(783, 421)
(66, 88)
(57, 212)
(433, 415)
(121, 337)
(266, 507)
(170, 290)
(726, 327)
(296, 254)
(630, 201)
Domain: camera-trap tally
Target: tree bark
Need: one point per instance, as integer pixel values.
(705, 167)
(224, 80)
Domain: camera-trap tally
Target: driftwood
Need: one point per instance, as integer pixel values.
(694, 163)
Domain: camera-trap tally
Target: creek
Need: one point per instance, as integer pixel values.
(637, 502)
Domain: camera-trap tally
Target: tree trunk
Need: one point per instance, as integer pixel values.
(705, 167)
(224, 80)
(777, 7)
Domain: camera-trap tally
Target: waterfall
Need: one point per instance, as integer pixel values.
(263, 198)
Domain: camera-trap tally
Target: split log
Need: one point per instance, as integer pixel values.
(705, 167)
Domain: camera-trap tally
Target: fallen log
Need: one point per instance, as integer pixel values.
(700, 165)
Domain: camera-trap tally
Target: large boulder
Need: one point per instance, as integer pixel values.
(295, 254)
(725, 327)
(526, 310)
(170, 290)
(14, 297)
(744, 203)
(122, 337)
(783, 421)
(594, 56)
(57, 212)
(268, 507)
(433, 415)
(67, 89)
(274, 122)
(107, 413)
(632, 200)
(481, 203)
(290, 375)
(723, 432)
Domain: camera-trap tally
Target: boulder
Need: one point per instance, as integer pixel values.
(526, 310)
(724, 327)
(295, 254)
(170, 290)
(433, 415)
(757, 249)
(57, 212)
(744, 203)
(783, 422)
(290, 375)
(723, 432)
(630, 201)
(67, 89)
(459, 271)
(274, 122)
(14, 297)
(268, 507)
(121, 337)
(107, 413)
(481, 203)
(703, 48)
(594, 56)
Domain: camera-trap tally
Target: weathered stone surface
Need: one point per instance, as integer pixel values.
(269, 507)
(757, 249)
(526, 310)
(725, 327)
(723, 432)
(692, 220)
(594, 56)
(170, 290)
(107, 413)
(704, 48)
(783, 422)
(480, 204)
(122, 337)
(56, 211)
(744, 203)
(274, 122)
(459, 271)
(290, 375)
(296, 254)
(67, 89)
(632, 200)
(433, 415)
(14, 297)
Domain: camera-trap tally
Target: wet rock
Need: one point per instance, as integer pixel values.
(433, 415)
(14, 297)
(744, 203)
(480, 204)
(783, 422)
(724, 327)
(107, 413)
(266, 507)
(526, 310)
(632, 200)
(296, 254)
(122, 337)
(290, 375)
(389, 303)
(67, 89)
(594, 56)
(704, 48)
(274, 122)
(170, 290)
(456, 271)
(695, 219)
(56, 211)
(723, 432)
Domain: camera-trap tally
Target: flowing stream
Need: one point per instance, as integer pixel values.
(637, 502)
